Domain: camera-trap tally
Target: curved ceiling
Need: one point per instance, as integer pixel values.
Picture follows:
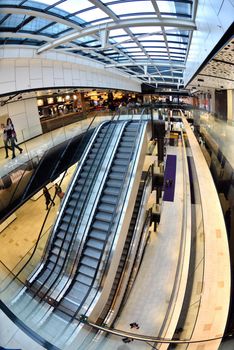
(147, 39)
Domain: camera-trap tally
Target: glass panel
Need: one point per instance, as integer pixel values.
(92, 15)
(146, 30)
(36, 24)
(120, 39)
(14, 20)
(117, 32)
(48, 2)
(74, 5)
(136, 7)
(166, 6)
(55, 29)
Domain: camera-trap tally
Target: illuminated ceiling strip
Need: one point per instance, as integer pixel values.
(136, 22)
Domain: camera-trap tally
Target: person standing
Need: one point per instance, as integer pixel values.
(11, 136)
(48, 198)
(4, 137)
(59, 192)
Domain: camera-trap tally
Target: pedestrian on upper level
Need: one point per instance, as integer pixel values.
(48, 198)
(4, 138)
(11, 137)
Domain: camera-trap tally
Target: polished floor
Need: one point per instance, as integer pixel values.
(19, 237)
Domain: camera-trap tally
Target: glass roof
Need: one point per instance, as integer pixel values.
(147, 39)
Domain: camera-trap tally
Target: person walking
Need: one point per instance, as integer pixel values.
(59, 192)
(4, 138)
(11, 137)
(48, 198)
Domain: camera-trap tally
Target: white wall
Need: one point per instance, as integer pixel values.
(213, 19)
(25, 117)
(22, 68)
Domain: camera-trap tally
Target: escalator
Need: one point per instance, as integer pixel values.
(102, 224)
(124, 255)
(65, 230)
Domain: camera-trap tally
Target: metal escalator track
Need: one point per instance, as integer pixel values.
(65, 229)
(102, 223)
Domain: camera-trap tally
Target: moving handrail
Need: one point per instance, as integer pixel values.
(104, 271)
(74, 232)
(45, 219)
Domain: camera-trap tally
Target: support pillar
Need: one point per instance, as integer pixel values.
(230, 106)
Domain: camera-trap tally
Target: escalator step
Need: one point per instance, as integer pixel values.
(103, 216)
(125, 144)
(108, 208)
(127, 138)
(121, 155)
(118, 168)
(88, 271)
(68, 307)
(59, 251)
(114, 183)
(93, 253)
(116, 176)
(66, 227)
(122, 162)
(59, 243)
(74, 297)
(89, 262)
(111, 191)
(79, 288)
(55, 269)
(98, 234)
(83, 181)
(101, 225)
(62, 234)
(58, 262)
(94, 243)
(84, 279)
(109, 199)
(68, 220)
(122, 149)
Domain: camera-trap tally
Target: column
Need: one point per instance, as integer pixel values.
(230, 106)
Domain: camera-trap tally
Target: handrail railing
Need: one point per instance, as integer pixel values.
(184, 241)
(45, 219)
(104, 272)
(144, 185)
(85, 201)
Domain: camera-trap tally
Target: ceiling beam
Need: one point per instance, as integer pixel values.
(40, 14)
(157, 63)
(25, 36)
(136, 22)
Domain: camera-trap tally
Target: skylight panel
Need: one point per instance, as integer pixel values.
(48, 2)
(138, 7)
(153, 43)
(14, 20)
(91, 15)
(131, 44)
(156, 49)
(117, 32)
(146, 30)
(166, 6)
(72, 6)
(120, 39)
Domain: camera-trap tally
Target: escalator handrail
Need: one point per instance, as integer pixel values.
(47, 250)
(148, 215)
(19, 182)
(74, 231)
(131, 154)
(45, 219)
